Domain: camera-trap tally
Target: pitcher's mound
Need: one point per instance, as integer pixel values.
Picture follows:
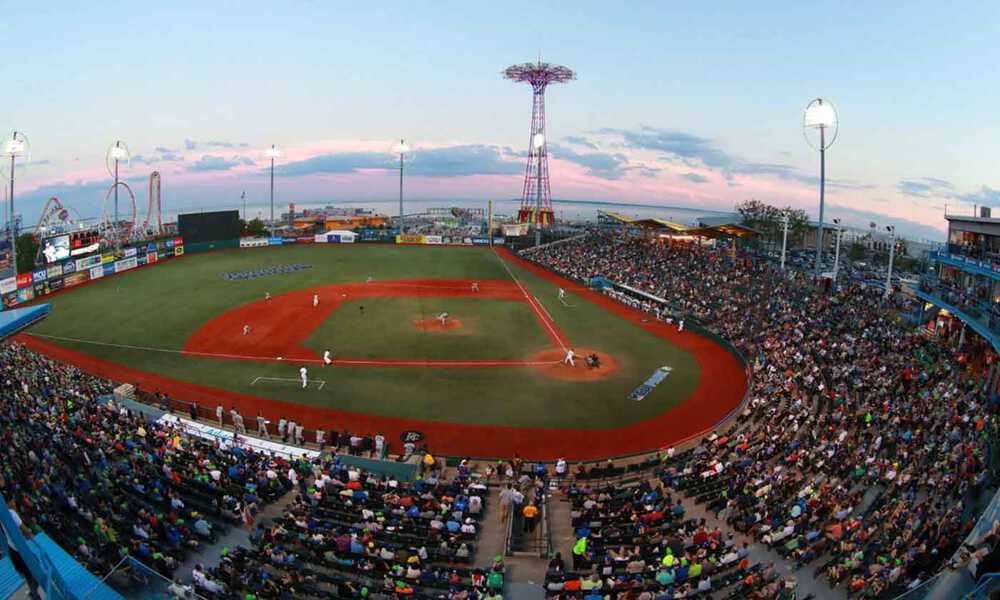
(436, 325)
(581, 372)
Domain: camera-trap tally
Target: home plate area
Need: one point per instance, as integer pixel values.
(285, 381)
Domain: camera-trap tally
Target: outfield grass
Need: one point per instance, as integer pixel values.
(161, 306)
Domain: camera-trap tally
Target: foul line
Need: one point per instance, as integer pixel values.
(321, 382)
(546, 322)
(340, 361)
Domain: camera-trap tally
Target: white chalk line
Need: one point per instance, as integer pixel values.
(528, 297)
(321, 382)
(340, 361)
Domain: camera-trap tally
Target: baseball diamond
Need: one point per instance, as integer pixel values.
(487, 380)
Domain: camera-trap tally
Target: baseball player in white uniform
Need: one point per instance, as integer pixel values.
(443, 317)
(570, 356)
(327, 357)
(246, 330)
(562, 295)
(304, 374)
(315, 300)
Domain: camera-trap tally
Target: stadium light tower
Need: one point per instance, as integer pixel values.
(538, 143)
(536, 175)
(272, 153)
(16, 145)
(820, 126)
(892, 253)
(117, 152)
(402, 149)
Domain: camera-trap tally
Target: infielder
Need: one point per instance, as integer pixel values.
(475, 286)
(315, 300)
(562, 295)
(570, 356)
(304, 374)
(327, 358)
(267, 296)
(246, 330)
(443, 317)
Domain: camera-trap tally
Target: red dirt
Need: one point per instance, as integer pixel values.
(271, 336)
(435, 324)
(719, 393)
(558, 369)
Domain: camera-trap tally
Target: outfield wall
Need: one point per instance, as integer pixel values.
(57, 276)
(29, 286)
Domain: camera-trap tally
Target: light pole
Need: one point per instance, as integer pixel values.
(16, 145)
(820, 116)
(402, 149)
(118, 151)
(784, 239)
(539, 143)
(892, 252)
(272, 153)
(836, 254)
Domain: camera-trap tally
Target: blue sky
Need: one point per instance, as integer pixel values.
(695, 105)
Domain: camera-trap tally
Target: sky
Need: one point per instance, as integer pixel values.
(692, 105)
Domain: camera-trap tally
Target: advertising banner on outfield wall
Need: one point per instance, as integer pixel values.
(83, 264)
(125, 265)
(10, 300)
(39, 275)
(151, 257)
(130, 252)
(107, 257)
(41, 288)
(23, 280)
(178, 250)
(55, 271)
(432, 239)
(25, 295)
(275, 241)
(109, 269)
(96, 272)
(480, 241)
(8, 285)
(169, 244)
(76, 278)
(69, 267)
(55, 284)
(253, 242)
(409, 239)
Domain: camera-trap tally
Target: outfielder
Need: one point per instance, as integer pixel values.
(315, 300)
(475, 286)
(327, 358)
(246, 330)
(562, 295)
(304, 374)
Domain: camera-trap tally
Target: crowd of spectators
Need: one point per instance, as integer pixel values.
(108, 484)
(864, 442)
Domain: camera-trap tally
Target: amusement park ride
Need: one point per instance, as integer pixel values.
(536, 197)
(60, 219)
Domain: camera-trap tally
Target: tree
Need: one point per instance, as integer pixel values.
(27, 249)
(769, 220)
(857, 252)
(255, 227)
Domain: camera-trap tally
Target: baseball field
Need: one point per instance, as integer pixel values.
(237, 327)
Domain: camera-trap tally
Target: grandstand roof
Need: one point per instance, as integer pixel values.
(712, 227)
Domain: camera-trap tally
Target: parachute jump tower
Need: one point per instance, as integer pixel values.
(536, 197)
